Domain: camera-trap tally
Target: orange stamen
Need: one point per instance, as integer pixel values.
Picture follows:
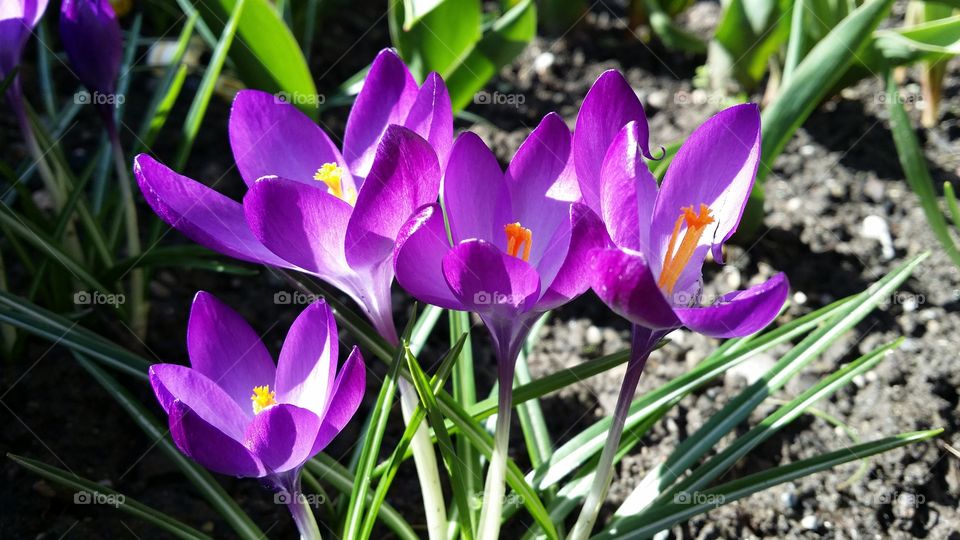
(675, 262)
(518, 235)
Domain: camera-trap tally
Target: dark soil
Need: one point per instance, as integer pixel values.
(830, 197)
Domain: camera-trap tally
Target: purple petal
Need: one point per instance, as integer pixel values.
(537, 178)
(282, 437)
(223, 347)
(431, 116)
(308, 360)
(486, 280)
(716, 166)
(301, 223)
(209, 446)
(17, 20)
(346, 398)
(609, 105)
(270, 137)
(91, 38)
(475, 194)
(623, 280)
(628, 191)
(740, 313)
(172, 382)
(576, 273)
(404, 177)
(388, 93)
(200, 213)
(418, 258)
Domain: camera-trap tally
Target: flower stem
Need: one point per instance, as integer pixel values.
(643, 342)
(138, 305)
(494, 488)
(297, 504)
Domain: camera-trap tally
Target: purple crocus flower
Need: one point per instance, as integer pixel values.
(519, 246)
(235, 412)
(661, 235)
(309, 207)
(91, 37)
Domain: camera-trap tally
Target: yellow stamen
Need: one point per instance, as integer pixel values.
(262, 398)
(517, 235)
(675, 262)
(332, 175)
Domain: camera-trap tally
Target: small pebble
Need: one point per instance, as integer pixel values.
(594, 336)
(810, 523)
(543, 62)
(875, 227)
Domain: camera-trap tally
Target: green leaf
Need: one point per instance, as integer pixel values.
(749, 33)
(327, 469)
(931, 41)
(695, 446)
(198, 108)
(185, 256)
(439, 40)
(454, 469)
(387, 471)
(669, 515)
(265, 53)
(506, 38)
(88, 491)
(720, 463)
(951, 199)
(915, 169)
(814, 77)
(371, 449)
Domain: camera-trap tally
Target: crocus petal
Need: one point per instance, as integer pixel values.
(210, 447)
(486, 280)
(475, 194)
(282, 437)
(343, 403)
(223, 347)
(418, 258)
(431, 116)
(386, 97)
(200, 213)
(740, 313)
(535, 178)
(575, 275)
(17, 20)
(172, 382)
(623, 281)
(308, 360)
(404, 177)
(715, 166)
(270, 137)
(300, 223)
(628, 191)
(609, 105)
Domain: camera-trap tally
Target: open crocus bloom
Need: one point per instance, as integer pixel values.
(235, 412)
(309, 207)
(653, 278)
(519, 242)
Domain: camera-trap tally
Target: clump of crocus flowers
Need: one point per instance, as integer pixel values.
(572, 211)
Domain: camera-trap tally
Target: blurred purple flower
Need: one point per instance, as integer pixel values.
(652, 275)
(519, 248)
(17, 21)
(309, 207)
(235, 412)
(91, 37)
